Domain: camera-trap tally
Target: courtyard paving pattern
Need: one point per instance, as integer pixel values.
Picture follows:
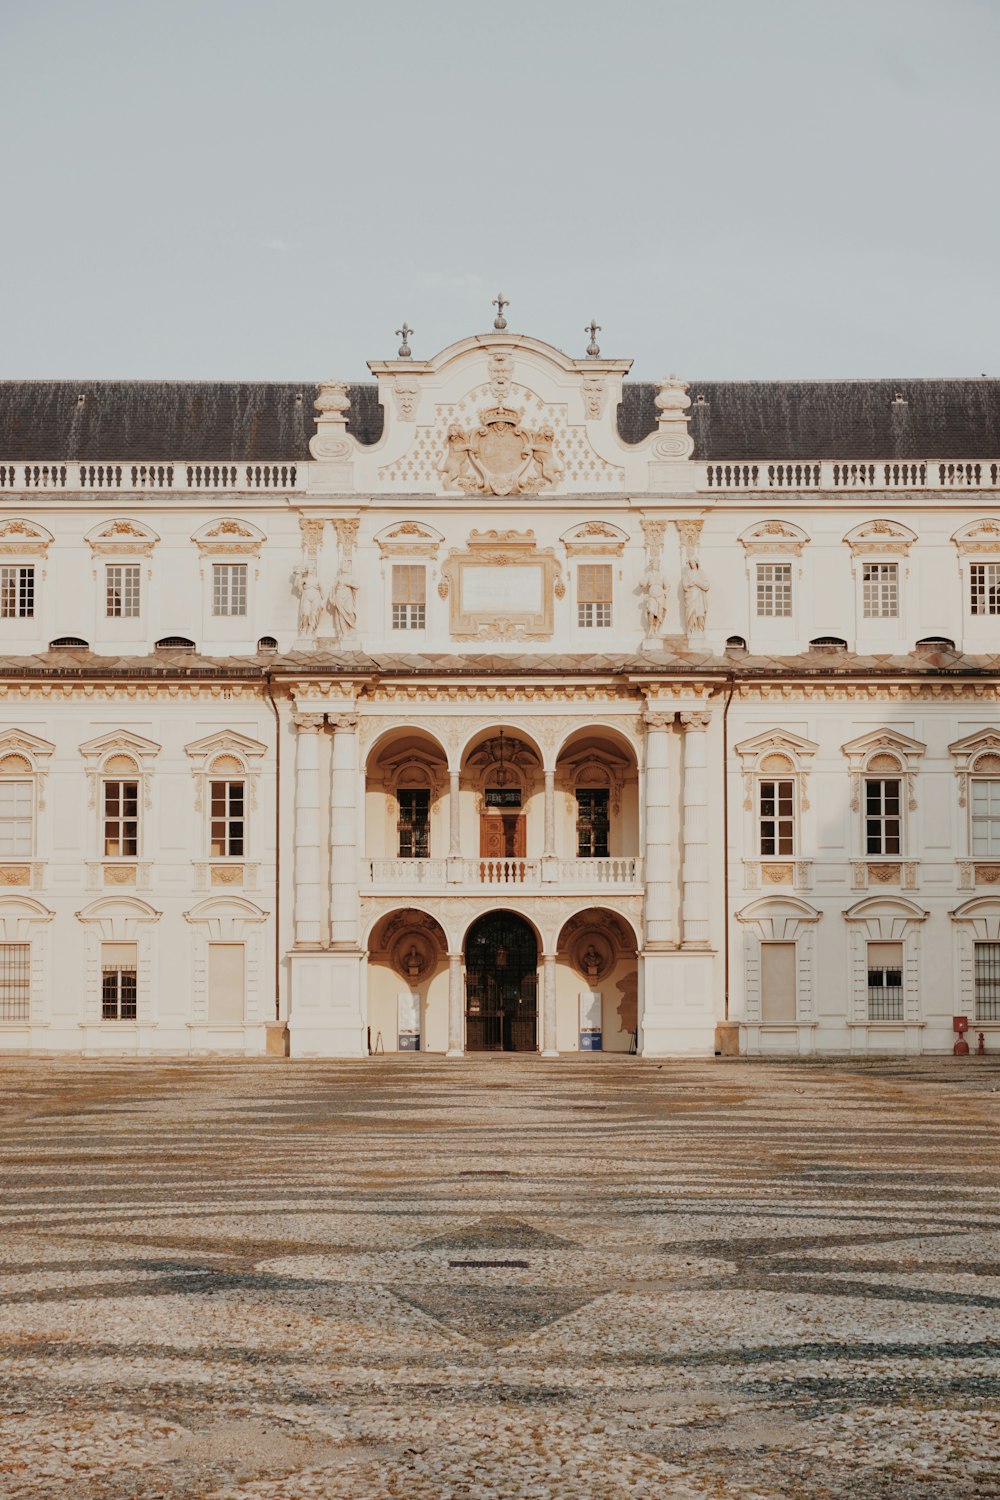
(605, 1279)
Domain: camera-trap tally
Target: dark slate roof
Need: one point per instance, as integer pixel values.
(232, 422)
(205, 421)
(797, 419)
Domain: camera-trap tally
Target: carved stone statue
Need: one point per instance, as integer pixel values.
(343, 602)
(655, 591)
(695, 590)
(305, 584)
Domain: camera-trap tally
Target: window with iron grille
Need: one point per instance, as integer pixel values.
(883, 820)
(880, 586)
(16, 819)
(984, 588)
(227, 817)
(409, 597)
(593, 595)
(885, 981)
(774, 589)
(122, 591)
(777, 817)
(988, 981)
(985, 817)
(229, 588)
(119, 986)
(414, 822)
(17, 593)
(121, 819)
(15, 981)
(592, 823)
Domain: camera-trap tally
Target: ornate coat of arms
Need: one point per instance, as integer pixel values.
(499, 457)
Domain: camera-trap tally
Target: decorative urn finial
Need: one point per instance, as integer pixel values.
(594, 328)
(500, 302)
(403, 333)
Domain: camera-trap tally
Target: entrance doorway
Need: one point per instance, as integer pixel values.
(501, 985)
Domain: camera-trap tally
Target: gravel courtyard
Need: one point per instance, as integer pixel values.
(500, 1278)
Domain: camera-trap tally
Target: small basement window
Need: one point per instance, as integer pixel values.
(828, 643)
(935, 643)
(267, 643)
(69, 640)
(736, 643)
(175, 643)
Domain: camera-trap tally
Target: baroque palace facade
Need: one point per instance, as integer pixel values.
(499, 702)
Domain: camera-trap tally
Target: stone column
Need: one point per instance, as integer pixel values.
(307, 831)
(694, 870)
(456, 1007)
(547, 1039)
(454, 826)
(658, 902)
(550, 864)
(343, 832)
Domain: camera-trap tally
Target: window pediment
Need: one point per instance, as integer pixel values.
(229, 536)
(594, 539)
(775, 742)
(774, 537)
(981, 537)
(887, 918)
(20, 537)
(972, 752)
(122, 537)
(409, 539)
(880, 538)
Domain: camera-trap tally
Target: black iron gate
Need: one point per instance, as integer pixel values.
(501, 985)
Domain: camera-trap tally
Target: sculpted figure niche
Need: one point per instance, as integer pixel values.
(499, 457)
(305, 584)
(343, 602)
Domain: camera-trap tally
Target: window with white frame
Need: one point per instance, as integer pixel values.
(409, 596)
(880, 590)
(593, 595)
(17, 592)
(984, 588)
(985, 817)
(121, 819)
(119, 981)
(17, 806)
(228, 825)
(15, 981)
(883, 815)
(987, 981)
(121, 591)
(414, 824)
(774, 590)
(885, 981)
(229, 588)
(777, 815)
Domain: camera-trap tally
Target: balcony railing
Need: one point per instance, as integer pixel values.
(620, 871)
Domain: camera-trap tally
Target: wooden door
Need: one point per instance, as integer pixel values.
(502, 836)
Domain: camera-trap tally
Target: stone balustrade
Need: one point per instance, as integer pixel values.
(117, 477)
(622, 872)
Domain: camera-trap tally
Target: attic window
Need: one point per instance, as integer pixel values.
(68, 640)
(175, 643)
(899, 399)
(828, 643)
(701, 399)
(81, 398)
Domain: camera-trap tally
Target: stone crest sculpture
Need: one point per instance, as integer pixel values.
(499, 457)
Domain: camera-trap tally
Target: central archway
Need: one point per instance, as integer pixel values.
(501, 984)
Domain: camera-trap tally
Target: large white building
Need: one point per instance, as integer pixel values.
(499, 702)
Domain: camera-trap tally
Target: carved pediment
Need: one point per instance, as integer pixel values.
(410, 539)
(230, 535)
(981, 536)
(775, 742)
(18, 535)
(774, 537)
(883, 740)
(122, 536)
(595, 539)
(879, 537)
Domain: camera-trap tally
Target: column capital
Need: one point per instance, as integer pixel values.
(342, 721)
(308, 723)
(696, 718)
(656, 720)
(455, 957)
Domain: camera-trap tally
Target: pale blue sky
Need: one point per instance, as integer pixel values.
(246, 189)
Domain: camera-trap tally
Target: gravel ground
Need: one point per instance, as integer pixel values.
(501, 1278)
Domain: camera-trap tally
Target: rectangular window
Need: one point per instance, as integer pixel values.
(988, 981)
(226, 984)
(16, 820)
(985, 818)
(880, 584)
(885, 981)
(593, 595)
(502, 796)
(777, 817)
(409, 597)
(227, 803)
(984, 588)
(592, 823)
(15, 989)
(777, 981)
(17, 593)
(883, 822)
(121, 819)
(774, 589)
(119, 965)
(121, 592)
(414, 822)
(229, 588)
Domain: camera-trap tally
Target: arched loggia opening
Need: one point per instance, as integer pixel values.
(501, 984)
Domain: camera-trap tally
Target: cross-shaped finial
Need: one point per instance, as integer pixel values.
(404, 333)
(593, 352)
(500, 302)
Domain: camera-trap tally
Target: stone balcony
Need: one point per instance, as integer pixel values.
(547, 875)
